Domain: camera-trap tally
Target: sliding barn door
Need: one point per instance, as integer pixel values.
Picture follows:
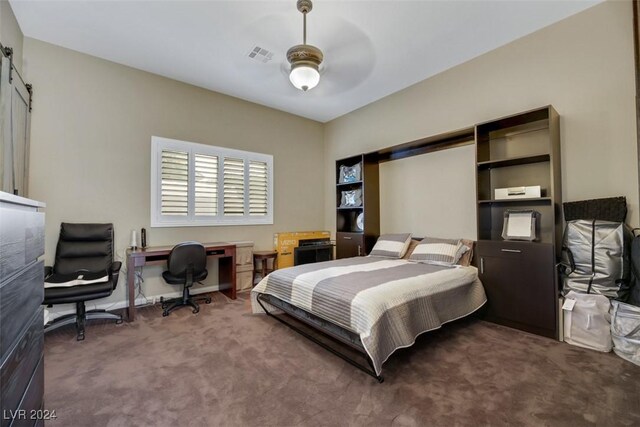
(15, 119)
(6, 152)
(20, 125)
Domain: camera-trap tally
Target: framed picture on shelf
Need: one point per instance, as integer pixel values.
(350, 173)
(351, 199)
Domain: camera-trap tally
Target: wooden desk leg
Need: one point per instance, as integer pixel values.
(131, 290)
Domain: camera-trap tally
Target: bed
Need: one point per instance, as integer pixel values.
(373, 304)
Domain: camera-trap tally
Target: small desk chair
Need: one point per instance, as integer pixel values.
(186, 264)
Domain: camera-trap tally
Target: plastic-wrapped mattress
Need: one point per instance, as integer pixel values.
(596, 258)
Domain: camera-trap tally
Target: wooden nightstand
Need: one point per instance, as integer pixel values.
(263, 258)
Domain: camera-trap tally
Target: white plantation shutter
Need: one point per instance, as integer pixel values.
(206, 186)
(198, 184)
(258, 188)
(233, 186)
(175, 183)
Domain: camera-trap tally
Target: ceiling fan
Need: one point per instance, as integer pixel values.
(340, 61)
(304, 58)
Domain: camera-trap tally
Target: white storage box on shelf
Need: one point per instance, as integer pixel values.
(529, 192)
(587, 322)
(625, 331)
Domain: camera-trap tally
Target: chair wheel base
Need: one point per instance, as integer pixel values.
(80, 318)
(169, 305)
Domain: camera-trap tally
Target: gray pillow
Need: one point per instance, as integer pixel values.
(391, 245)
(438, 251)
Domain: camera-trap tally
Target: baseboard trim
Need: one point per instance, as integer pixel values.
(64, 309)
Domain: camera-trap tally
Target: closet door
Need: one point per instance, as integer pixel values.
(20, 123)
(15, 121)
(6, 151)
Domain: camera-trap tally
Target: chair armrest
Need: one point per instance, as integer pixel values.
(115, 271)
(48, 271)
(115, 267)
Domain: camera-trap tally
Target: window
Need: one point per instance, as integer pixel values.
(197, 184)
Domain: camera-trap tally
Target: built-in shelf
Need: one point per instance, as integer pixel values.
(544, 200)
(426, 145)
(351, 240)
(344, 184)
(514, 161)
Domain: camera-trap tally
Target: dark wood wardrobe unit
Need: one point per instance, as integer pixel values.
(519, 150)
(520, 276)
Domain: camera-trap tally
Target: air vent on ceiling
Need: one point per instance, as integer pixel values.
(260, 54)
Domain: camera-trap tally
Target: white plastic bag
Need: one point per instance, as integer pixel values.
(587, 322)
(625, 331)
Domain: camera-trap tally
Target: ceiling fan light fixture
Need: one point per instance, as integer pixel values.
(305, 59)
(304, 77)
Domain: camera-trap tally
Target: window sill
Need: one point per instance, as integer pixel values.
(164, 224)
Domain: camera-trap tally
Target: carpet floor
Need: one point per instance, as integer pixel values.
(228, 367)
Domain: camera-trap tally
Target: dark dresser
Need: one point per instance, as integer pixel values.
(21, 312)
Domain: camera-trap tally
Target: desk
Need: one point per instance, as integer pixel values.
(225, 252)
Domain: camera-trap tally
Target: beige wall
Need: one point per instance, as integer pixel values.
(430, 195)
(10, 32)
(583, 66)
(91, 131)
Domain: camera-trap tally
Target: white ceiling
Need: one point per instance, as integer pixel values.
(371, 48)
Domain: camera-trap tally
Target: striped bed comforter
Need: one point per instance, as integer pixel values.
(387, 302)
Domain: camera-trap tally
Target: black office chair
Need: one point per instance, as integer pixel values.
(84, 251)
(186, 264)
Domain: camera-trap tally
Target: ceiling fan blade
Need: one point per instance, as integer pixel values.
(349, 57)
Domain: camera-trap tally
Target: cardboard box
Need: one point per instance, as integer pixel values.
(285, 243)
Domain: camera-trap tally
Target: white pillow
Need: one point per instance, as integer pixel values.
(392, 245)
(439, 251)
